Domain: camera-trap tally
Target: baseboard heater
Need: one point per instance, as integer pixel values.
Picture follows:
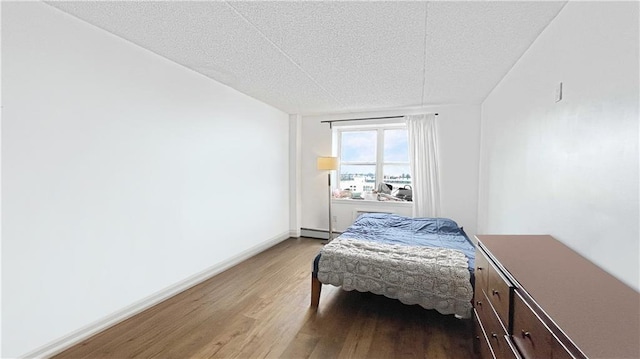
(317, 233)
(324, 234)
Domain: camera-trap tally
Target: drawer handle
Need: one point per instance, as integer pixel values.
(494, 335)
(479, 303)
(494, 292)
(480, 268)
(526, 334)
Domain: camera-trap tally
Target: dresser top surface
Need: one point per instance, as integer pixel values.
(598, 312)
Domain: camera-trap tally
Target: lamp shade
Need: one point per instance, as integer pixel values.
(327, 163)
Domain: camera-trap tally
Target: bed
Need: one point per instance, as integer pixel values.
(424, 261)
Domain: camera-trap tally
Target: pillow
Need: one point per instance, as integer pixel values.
(446, 225)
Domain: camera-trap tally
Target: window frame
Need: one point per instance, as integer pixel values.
(379, 163)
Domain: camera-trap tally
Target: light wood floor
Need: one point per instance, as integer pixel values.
(260, 308)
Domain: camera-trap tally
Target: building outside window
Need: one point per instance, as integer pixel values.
(372, 155)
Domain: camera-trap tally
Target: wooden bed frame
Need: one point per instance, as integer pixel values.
(316, 288)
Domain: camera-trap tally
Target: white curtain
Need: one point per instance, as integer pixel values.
(423, 155)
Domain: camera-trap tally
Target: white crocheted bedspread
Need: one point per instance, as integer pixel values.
(434, 278)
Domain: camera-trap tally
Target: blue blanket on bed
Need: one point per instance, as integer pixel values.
(395, 229)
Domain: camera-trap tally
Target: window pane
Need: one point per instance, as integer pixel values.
(358, 146)
(358, 178)
(396, 146)
(398, 175)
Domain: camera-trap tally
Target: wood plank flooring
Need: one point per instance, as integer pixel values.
(260, 309)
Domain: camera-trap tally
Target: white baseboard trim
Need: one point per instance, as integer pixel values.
(69, 340)
(295, 233)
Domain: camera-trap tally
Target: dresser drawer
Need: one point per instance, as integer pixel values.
(499, 291)
(483, 307)
(496, 334)
(481, 271)
(481, 345)
(532, 337)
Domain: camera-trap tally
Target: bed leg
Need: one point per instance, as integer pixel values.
(316, 287)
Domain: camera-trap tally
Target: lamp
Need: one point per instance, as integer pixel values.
(328, 164)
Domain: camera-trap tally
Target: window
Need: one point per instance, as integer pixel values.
(371, 155)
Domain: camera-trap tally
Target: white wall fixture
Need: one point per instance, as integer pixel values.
(559, 92)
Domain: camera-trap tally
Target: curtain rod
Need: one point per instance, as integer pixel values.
(330, 122)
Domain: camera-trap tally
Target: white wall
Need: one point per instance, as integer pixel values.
(459, 150)
(295, 133)
(115, 167)
(569, 169)
(315, 139)
(459, 141)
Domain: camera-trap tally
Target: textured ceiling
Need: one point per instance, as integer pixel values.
(331, 57)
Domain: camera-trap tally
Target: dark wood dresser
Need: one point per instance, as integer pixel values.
(536, 298)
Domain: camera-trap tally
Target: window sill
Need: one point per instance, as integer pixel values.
(350, 201)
